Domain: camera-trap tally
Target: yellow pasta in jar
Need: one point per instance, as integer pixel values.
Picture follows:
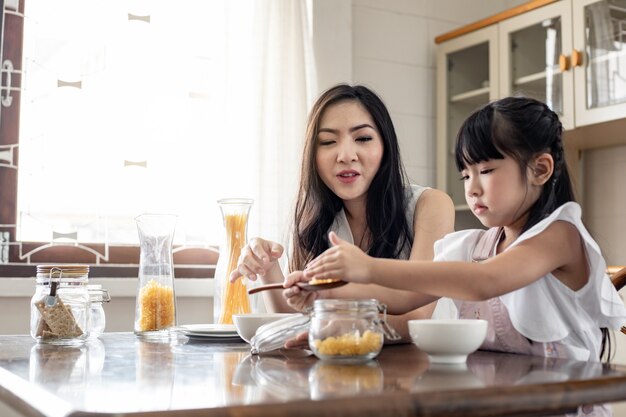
(157, 306)
(350, 344)
(234, 295)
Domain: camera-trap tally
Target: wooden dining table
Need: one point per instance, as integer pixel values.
(120, 374)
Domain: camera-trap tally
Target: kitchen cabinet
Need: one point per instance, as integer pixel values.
(599, 38)
(467, 80)
(531, 46)
(570, 54)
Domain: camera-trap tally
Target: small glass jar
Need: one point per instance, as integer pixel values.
(349, 331)
(60, 306)
(97, 319)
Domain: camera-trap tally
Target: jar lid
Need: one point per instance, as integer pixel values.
(346, 305)
(98, 294)
(75, 273)
(272, 336)
(63, 269)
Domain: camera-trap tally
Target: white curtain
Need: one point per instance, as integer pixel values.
(287, 83)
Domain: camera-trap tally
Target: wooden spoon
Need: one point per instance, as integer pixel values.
(309, 286)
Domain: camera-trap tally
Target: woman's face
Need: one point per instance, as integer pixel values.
(349, 150)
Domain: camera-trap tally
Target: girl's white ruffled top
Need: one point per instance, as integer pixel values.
(547, 310)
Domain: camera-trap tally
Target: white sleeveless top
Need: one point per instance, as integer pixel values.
(547, 310)
(412, 194)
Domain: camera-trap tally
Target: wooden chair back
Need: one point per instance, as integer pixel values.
(618, 277)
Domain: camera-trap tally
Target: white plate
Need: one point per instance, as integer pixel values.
(212, 330)
(213, 339)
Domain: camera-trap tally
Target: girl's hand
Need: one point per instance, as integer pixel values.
(341, 261)
(257, 258)
(296, 297)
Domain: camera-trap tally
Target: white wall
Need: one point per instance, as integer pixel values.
(394, 54)
(604, 200)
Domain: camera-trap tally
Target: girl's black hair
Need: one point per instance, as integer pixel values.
(317, 205)
(521, 128)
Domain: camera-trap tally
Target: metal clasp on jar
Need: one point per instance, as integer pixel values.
(390, 332)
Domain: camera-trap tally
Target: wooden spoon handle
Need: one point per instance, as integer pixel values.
(266, 287)
(304, 285)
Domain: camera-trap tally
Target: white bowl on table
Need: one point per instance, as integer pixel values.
(448, 341)
(247, 324)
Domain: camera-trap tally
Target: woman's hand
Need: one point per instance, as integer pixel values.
(296, 297)
(257, 258)
(341, 261)
(301, 341)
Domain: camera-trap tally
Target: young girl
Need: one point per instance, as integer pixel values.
(543, 287)
(353, 183)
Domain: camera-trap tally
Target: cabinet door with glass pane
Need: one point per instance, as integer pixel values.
(535, 49)
(600, 39)
(467, 78)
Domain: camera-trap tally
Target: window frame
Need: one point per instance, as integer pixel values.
(19, 258)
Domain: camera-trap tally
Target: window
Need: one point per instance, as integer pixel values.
(134, 107)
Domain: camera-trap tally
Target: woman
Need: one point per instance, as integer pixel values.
(353, 182)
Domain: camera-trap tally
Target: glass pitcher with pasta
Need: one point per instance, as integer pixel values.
(155, 311)
(231, 297)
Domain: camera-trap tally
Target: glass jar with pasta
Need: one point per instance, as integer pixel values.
(231, 297)
(348, 330)
(155, 311)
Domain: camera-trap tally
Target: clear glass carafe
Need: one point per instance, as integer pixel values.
(231, 298)
(155, 312)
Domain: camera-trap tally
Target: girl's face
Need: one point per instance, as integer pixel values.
(497, 193)
(349, 150)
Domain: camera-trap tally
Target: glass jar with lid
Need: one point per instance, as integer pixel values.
(349, 330)
(97, 319)
(60, 306)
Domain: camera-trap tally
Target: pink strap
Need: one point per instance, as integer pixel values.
(486, 242)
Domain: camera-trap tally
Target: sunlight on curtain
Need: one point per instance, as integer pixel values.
(154, 106)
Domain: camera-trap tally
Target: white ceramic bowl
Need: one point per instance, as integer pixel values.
(246, 324)
(448, 341)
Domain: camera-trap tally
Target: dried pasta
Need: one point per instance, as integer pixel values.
(157, 306)
(350, 344)
(234, 294)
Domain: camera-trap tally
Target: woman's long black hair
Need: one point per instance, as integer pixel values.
(317, 205)
(521, 128)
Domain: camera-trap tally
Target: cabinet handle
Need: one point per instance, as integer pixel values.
(577, 58)
(563, 62)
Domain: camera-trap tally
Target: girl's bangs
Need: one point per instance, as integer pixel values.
(475, 143)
